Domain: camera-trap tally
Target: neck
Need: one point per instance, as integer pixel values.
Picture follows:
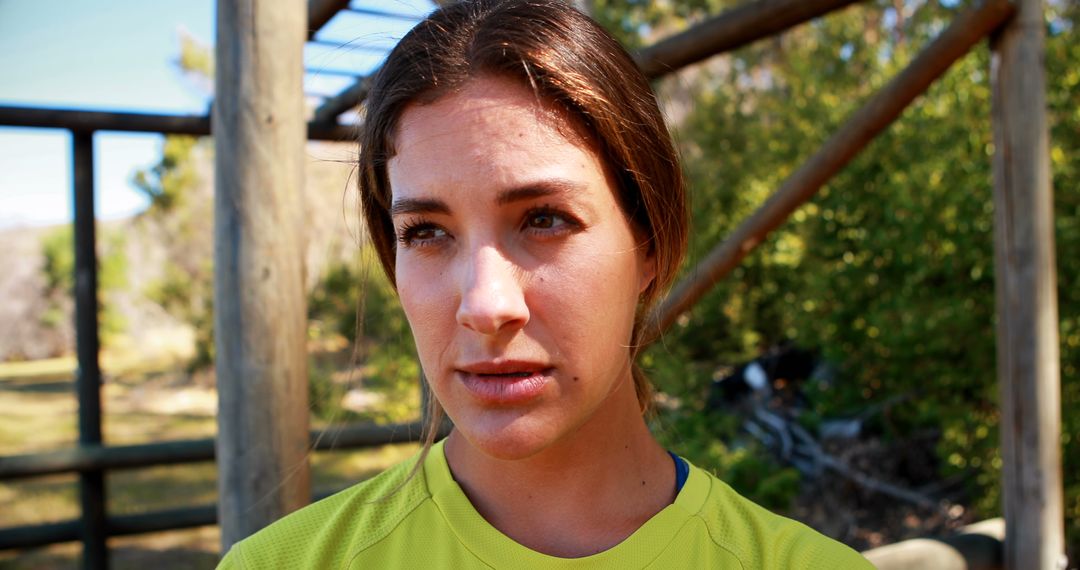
(579, 496)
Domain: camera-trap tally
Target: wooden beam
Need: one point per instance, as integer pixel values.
(327, 113)
(727, 31)
(349, 45)
(32, 536)
(132, 456)
(92, 457)
(974, 547)
(87, 346)
(260, 319)
(385, 14)
(730, 30)
(861, 128)
(1026, 281)
(90, 121)
(322, 11)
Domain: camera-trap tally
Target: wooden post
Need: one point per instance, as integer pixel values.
(260, 308)
(87, 348)
(1027, 331)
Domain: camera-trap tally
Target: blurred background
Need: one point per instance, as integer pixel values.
(861, 333)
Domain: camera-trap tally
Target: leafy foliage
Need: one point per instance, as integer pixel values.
(58, 251)
(181, 212)
(380, 335)
(166, 183)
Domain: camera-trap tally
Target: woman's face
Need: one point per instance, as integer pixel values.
(516, 267)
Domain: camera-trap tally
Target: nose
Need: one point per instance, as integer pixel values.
(492, 299)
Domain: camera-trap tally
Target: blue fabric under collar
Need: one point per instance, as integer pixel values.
(682, 471)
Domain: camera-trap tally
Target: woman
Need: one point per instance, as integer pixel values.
(525, 198)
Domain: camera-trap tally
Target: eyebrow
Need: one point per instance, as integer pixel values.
(529, 191)
(418, 206)
(540, 189)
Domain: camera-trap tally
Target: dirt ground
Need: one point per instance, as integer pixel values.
(865, 519)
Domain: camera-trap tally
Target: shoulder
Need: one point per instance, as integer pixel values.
(760, 538)
(328, 533)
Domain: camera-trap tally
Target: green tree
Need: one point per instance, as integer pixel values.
(353, 299)
(166, 183)
(181, 213)
(58, 251)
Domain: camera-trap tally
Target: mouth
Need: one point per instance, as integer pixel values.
(506, 383)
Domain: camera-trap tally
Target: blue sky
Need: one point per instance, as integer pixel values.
(120, 55)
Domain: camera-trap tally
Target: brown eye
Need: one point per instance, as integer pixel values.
(543, 220)
(547, 222)
(421, 235)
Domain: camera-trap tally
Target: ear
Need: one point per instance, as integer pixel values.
(648, 268)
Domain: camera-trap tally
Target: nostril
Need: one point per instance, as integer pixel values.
(491, 309)
(492, 298)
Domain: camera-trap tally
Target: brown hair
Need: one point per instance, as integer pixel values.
(567, 59)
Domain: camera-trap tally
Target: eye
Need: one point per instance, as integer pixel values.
(548, 221)
(421, 234)
(544, 220)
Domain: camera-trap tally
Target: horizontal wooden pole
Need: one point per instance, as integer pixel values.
(188, 451)
(730, 30)
(320, 12)
(120, 457)
(87, 458)
(327, 113)
(861, 127)
(975, 547)
(384, 14)
(32, 536)
(88, 121)
(40, 534)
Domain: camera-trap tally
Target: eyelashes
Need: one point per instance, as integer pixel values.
(548, 220)
(419, 232)
(543, 222)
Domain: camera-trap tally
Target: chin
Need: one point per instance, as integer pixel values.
(507, 439)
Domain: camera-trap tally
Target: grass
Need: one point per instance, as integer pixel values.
(63, 368)
(142, 403)
(31, 371)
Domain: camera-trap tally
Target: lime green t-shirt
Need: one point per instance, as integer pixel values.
(430, 523)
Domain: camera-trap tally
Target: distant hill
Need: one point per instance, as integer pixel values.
(35, 325)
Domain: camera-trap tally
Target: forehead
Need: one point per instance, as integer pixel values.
(491, 98)
(491, 124)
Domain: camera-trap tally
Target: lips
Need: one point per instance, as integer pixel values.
(505, 383)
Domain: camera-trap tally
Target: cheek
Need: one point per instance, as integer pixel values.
(591, 299)
(424, 299)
